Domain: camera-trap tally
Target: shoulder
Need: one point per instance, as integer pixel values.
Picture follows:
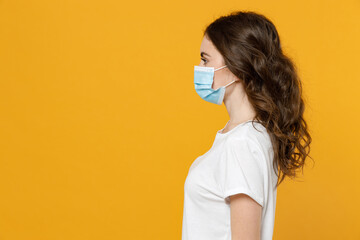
(252, 133)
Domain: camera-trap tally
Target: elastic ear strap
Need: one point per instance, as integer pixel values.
(229, 83)
(220, 67)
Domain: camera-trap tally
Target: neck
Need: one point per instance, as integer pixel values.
(238, 106)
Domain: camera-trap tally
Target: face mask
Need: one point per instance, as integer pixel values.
(203, 80)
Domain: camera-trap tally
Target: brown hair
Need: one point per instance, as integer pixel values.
(250, 46)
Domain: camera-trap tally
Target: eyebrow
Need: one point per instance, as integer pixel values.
(204, 53)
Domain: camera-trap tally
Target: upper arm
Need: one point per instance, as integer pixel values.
(242, 170)
(245, 216)
(243, 183)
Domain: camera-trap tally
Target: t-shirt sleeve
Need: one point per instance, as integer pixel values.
(242, 169)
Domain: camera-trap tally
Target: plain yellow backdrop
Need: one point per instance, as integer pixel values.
(99, 119)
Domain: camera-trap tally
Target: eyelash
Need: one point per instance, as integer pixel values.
(204, 60)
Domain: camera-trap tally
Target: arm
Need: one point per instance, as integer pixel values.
(245, 218)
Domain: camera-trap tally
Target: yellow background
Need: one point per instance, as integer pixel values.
(99, 119)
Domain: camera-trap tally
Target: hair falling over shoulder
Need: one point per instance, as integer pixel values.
(250, 46)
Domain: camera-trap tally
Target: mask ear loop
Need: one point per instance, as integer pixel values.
(229, 83)
(220, 68)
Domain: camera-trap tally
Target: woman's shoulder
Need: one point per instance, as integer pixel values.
(254, 132)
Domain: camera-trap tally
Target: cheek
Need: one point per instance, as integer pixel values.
(218, 81)
(215, 83)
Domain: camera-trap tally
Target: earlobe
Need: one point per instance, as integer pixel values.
(238, 80)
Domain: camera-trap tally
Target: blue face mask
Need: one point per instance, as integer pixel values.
(203, 80)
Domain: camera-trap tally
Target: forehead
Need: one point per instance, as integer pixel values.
(208, 47)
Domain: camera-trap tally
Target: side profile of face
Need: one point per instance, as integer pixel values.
(211, 57)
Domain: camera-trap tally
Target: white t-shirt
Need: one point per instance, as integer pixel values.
(239, 161)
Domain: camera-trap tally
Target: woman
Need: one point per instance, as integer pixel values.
(230, 191)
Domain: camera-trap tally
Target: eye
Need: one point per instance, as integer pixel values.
(205, 61)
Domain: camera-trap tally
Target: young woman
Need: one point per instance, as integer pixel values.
(230, 191)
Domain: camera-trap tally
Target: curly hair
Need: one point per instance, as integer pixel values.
(250, 46)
